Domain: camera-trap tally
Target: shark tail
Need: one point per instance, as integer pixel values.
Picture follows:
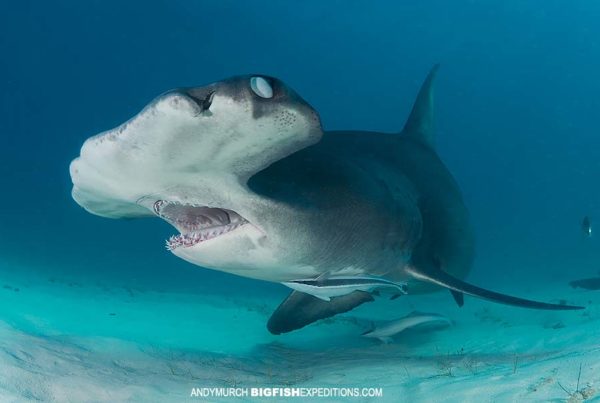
(444, 279)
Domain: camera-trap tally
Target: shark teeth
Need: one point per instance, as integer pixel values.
(193, 238)
(196, 223)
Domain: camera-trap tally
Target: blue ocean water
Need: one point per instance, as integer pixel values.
(516, 114)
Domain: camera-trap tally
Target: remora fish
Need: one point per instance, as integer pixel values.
(386, 330)
(325, 287)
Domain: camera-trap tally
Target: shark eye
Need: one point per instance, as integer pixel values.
(261, 87)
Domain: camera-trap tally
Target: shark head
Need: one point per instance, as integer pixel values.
(186, 158)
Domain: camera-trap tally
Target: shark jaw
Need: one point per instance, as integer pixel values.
(195, 223)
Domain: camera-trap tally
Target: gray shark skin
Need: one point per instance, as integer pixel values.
(242, 169)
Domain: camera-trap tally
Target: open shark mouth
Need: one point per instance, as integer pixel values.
(196, 224)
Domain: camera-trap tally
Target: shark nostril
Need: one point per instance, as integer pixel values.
(207, 102)
(200, 99)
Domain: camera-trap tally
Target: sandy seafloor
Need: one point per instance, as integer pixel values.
(62, 339)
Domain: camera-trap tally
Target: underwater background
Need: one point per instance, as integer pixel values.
(97, 309)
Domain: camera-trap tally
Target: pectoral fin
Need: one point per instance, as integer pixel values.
(300, 309)
(444, 279)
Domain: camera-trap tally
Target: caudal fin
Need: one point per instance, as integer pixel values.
(444, 279)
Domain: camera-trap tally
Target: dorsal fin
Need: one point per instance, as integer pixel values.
(419, 125)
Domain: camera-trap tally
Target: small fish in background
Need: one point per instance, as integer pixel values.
(592, 283)
(384, 331)
(586, 227)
